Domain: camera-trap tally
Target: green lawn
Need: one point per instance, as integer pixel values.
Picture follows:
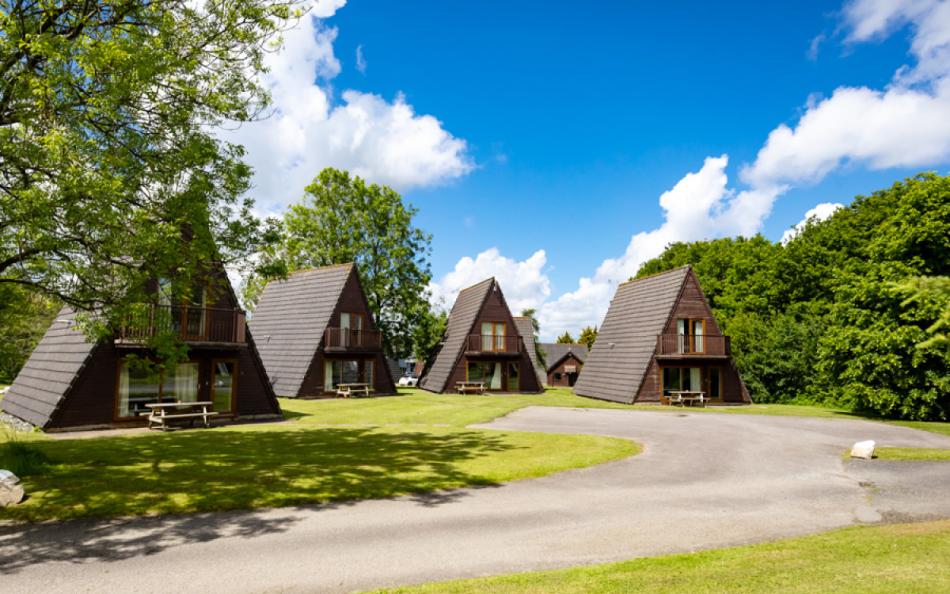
(914, 454)
(906, 558)
(328, 450)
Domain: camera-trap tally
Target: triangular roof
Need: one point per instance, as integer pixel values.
(626, 341)
(462, 318)
(290, 320)
(526, 330)
(557, 352)
(50, 372)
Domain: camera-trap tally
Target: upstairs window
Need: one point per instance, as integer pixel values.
(493, 336)
(692, 333)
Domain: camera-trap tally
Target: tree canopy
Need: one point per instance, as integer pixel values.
(110, 169)
(343, 219)
(852, 311)
(587, 336)
(565, 338)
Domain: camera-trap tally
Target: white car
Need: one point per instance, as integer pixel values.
(407, 381)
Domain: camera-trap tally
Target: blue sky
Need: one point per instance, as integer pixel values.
(557, 126)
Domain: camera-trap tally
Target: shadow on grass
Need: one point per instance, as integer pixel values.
(214, 470)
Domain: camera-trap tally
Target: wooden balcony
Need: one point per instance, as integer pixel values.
(192, 324)
(346, 340)
(485, 344)
(692, 347)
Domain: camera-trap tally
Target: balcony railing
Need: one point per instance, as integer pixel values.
(348, 339)
(698, 345)
(486, 343)
(189, 323)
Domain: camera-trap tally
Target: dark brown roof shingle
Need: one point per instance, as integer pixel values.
(290, 320)
(49, 373)
(467, 306)
(627, 339)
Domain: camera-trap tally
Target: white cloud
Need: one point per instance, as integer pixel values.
(699, 206)
(905, 125)
(383, 141)
(819, 213)
(360, 60)
(523, 283)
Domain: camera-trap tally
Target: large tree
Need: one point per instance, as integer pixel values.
(110, 169)
(587, 336)
(565, 338)
(344, 219)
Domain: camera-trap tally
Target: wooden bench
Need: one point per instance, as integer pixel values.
(347, 390)
(690, 397)
(161, 416)
(470, 387)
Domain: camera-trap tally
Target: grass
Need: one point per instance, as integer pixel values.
(894, 558)
(912, 454)
(328, 451)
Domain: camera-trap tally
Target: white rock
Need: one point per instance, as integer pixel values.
(10, 494)
(8, 477)
(863, 449)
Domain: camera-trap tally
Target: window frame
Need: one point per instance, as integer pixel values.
(120, 364)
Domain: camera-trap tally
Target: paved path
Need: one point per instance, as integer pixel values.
(704, 480)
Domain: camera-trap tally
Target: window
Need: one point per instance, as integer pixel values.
(493, 336)
(341, 371)
(487, 372)
(514, 371)
(693, 378)
(223, 384)
(140, 385)
(692, 333)
(352, 329)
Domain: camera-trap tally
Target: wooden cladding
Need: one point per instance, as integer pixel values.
(190, 323)
(709, 345)
(493, 343)
(352, 339)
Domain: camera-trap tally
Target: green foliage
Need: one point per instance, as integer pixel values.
(530, 312)
(22, 459)
(24, 317)
(111, 171)
(565, 338)
(428, 332)
(343, 219)
(853, 311)
(587, 336)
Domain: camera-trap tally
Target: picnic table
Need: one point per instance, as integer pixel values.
(163, 412)
(347, 390)
(684, 397)
(470, 387)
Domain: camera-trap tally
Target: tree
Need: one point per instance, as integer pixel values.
(530, 312)
(587, 336)
(24, 317)
(427, 333)
(565, 338)
(110, 170)
(343, 219)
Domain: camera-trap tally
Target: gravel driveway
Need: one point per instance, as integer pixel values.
(704, 480)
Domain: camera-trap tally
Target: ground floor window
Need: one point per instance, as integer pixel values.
(223, 385)
(496, 375)
(695, 379)
(346, 371)
(142, 384)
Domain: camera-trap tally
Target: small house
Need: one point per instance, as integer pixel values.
(564, 363)
(316, 331)
(72, 383)
(481, 344)
(660, 339)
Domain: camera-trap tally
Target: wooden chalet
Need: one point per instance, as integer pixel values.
(316, 331)
(71, 383)
(481, 344)
(660, 338)
(564, 363)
